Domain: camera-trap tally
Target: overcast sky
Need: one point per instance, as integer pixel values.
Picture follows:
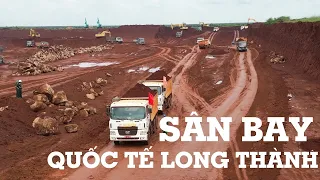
(119, 12)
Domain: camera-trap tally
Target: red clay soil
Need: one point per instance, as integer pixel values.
(299, 43)
(164, 33)
(273, 91)
(223, 38)
(158, 75)
(139, 90)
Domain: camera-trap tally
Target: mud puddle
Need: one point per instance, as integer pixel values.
(143, 69)
(91, 64)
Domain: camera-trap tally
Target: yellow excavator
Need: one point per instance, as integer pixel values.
(203, 24)
(33, 33)
(182, 26)
(251, 20)
(103, 34)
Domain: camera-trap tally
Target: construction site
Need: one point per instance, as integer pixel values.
(75, 80)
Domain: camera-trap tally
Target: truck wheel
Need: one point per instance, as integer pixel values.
(116, 143)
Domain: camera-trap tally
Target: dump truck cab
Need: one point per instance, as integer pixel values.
(119, 40)
(132, 117)
(30, 43)
(140, 41)
(215, 29)
(179, 34)
(242, 45)
(156, 82)
(200, 39)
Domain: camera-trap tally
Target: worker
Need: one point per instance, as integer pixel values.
(19, 89)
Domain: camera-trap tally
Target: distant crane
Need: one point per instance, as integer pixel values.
(86, 23)
(98, 24)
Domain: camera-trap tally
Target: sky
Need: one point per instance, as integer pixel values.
(121, 12)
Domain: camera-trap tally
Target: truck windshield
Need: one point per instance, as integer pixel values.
(128, 113)
(156, 88)
(242, 44)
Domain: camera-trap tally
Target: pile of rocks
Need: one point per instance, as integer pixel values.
(93, 49)
(35, 64)
(91, 86)
(45, 97)
(276, 58)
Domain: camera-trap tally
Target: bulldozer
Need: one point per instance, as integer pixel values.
(103, 34)
(33, 33)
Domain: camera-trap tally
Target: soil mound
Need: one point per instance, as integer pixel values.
(158, 75)
(139, 90)
(299, 43)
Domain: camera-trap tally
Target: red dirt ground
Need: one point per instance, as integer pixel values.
(24, 154)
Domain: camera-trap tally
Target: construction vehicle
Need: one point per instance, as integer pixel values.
(179, 34)
(134, 116)
(86, 25)
(98, 24)
(203, 24)
(30, 43)
(33, 33)
(103, 34)
(140, 41)
(42, 44)
(182, 26)
(162, 83)
(241, 44)
(204, 44)
(200, 39)
(114, 40)
(216, 29)
(1, 60)
(243, 27)
(251, 20)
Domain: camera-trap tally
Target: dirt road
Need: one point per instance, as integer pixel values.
(235, 104)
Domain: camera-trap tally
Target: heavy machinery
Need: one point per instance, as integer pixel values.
(103, 34)
(241, 43)
(216, 29)
(98, 24)
(203, 24)
(134, 116)
(182, 26)
(243, 27)
(200, 39)
(179, 34)
(114, 40)
(204, 44)
(140, 41)
(42, 44)
(30, 43)
(251, 20)
(1, 60)
(162, 83)
(33, 33)
(86, 25)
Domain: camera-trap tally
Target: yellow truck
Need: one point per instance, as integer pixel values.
(134, 116)
(162, 83)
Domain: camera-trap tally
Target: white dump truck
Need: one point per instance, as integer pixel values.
(162, 83)
(133, 117)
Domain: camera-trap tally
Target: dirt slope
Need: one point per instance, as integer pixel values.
(298, 42)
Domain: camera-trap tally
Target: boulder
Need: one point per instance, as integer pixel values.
(60, 98)
(82, 106)
(46, 125)
(101, 81)
(38, 106)
(91, 110)
(69, 104)
(91, 96)
(41, 97)
(83, 113)
(71, 128)
(45, 89)
(100, 93)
